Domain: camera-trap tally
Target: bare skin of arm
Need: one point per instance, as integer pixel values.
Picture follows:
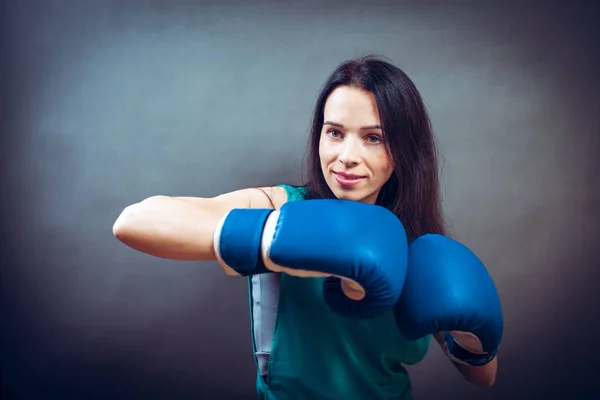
(182, 228)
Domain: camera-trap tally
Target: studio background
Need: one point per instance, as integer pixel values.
(105, 103)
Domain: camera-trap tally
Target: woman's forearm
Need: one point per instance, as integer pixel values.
(483, 376)
(169, 227)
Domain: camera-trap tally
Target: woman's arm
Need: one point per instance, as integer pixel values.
(484, 376)
(181, 228)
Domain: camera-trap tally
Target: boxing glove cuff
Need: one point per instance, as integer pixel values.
(237, 241)
(461, 355)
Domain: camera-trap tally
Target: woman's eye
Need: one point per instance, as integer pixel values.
(374, 139)
(334, 133)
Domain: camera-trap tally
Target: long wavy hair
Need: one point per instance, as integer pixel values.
(413, 191)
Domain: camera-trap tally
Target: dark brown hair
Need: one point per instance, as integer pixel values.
(413, 190)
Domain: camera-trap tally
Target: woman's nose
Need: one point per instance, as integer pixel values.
(350, 154)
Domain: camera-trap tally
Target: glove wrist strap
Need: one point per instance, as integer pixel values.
(463, 356)
(237, 241)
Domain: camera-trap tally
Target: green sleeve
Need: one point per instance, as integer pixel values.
(294, 193)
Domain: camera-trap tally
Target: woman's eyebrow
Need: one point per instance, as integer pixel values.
(341, 126)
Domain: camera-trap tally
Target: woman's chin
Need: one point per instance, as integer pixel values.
(355, 195)
(364, 196)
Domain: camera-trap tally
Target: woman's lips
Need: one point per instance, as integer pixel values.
(347, 179)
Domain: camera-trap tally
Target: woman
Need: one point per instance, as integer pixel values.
(370, 142)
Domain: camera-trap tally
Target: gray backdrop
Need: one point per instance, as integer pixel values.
(105, 103)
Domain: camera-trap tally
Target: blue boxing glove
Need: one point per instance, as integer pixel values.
(364, 245)
(448, 289)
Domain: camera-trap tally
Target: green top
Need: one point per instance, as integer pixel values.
(316, 354)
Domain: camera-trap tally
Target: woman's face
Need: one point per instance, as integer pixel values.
(354, 158)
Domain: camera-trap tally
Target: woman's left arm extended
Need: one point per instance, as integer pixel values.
(483, 376)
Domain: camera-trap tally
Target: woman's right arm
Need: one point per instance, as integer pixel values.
(182, 228)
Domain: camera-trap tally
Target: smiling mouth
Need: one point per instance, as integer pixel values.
(348, 176)
(347, 179)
